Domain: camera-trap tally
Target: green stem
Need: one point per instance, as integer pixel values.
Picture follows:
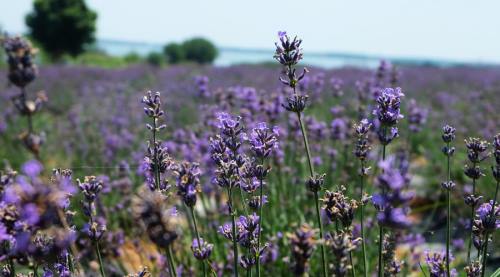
(30, 121)
(381, 229)
(257, 254)
(471, 219)
(380, 249)
(98, 253)
(448, 218)
(316, 197)
(12, 267)
(353, 270)
(318, 219)
(35, 270)
(363, 246)
(233, 222)
(171, 264)
(193, 217)
(155, 158)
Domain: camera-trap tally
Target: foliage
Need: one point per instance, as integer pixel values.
(62, 26)
(155, 59)
(199, 50)
(174, 53)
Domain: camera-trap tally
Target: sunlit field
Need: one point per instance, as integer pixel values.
(271, 169)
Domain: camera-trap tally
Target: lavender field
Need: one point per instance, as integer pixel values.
(248, 170)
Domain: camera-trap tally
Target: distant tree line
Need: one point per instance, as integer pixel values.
(67, 27)
(197, 50)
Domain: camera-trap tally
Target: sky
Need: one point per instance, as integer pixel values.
(458, 30)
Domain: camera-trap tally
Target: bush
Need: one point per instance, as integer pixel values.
(155, 59)
(132, 57)
(62, 26)
(174, 53)
(200, 50)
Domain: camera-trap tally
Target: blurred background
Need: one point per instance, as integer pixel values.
(336, 33)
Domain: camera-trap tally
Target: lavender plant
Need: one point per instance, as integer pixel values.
(489, 213)
(225, 153)
(448, 137)
(188, 184)
(341, 210)
(262, 141)
(438, 264)
(361, 151)
(342, 246)
(23, 71)
(157, 158)
(302, 244)
(476, 154)
(288, 53)
(91, 187)
(388, 114)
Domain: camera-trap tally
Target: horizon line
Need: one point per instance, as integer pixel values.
(333, 54)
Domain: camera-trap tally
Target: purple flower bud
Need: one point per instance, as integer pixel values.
(201, 249)
(388, 108)
(448, 133)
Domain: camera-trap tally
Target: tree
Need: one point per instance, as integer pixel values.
(174, 53)
(155, 59)
(62, 26)
(200, 50)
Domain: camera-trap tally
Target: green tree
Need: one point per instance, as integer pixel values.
(62, 26)
(174, 53)
(200, 50)
(155, 59)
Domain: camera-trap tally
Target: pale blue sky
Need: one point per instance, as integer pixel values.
(460, 30)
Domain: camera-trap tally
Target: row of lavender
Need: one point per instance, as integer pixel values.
(250, 176)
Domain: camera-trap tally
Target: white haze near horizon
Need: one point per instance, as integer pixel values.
(458, 30)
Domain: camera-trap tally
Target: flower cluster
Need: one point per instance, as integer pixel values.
(338, 206)
(473, 269)
(263, 140)
(476, 149)
(342, 244)
(202, 85)
(496, 153)
(22, 71)
(388, 113)
(20, 58)
(362, 143)
(31, 225)
(436, 262)
(201, 249)
(91, 187)
(247, 228)
(448, 136)
(392, 202)
(487, 220)
(417, 116)
(391, 265)
(302, 243)
(225, 151)
(187, 181)
(157, 159)
(288, 53)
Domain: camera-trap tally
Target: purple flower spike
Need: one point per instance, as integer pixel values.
(263, 140)
(32, 168)
(201, 250)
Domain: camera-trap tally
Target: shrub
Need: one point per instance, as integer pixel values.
(200, 50)
(174, 53)
(155, 59)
